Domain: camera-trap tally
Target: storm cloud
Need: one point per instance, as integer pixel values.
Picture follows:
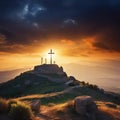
(24, 21)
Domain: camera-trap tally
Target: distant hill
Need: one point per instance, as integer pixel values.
(10, 74)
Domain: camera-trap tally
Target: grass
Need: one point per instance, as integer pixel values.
(62, 96)
(43, 86)
(110, 109)
(15, 109)
(45, 89)
(20, 111)
(66, 111)
(3, 106)
(58, 99)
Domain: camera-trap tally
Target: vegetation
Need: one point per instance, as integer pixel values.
(66, 111)
(43, 86)
(3, 106)
(20, 111)
(15, 109)
(54, 97)
(27, 84)
(54, 75)
(49, 93)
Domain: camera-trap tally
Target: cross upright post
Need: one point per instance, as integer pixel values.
(51, 53)
(45, 60)
(41, 60)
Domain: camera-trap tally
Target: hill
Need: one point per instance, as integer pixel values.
(43, 83)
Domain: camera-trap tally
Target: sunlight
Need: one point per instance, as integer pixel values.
(55, 56)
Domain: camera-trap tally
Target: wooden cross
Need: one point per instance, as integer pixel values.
(51, 53)
(41, 60)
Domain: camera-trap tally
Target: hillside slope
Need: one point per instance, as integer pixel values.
(59, 97)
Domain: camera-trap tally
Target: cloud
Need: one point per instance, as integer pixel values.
(2, 39)
(69, 21)
(45, 20)
(30, 10)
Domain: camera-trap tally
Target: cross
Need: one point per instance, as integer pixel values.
(51, 53)
(41, 60)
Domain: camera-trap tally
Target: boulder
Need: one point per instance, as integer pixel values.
(35, 105)
(86, 107)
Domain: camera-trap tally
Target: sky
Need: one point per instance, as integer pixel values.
(79, 31)
(84, 34)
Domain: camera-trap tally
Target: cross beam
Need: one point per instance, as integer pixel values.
(51, 53)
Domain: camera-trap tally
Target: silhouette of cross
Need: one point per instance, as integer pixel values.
(51, 53)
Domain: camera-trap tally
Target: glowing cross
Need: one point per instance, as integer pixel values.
(51, 53)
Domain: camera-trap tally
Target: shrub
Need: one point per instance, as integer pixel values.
(20, 111)
(10, 103)
(95, 87)
(83, 83)
(3, 106)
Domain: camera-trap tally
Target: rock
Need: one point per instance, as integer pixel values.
(86, 107)
(72, 78)
(48, 69)
(35, 105)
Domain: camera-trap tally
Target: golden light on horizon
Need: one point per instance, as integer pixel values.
(66, 51)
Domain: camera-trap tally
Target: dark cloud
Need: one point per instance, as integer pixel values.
(23, 21)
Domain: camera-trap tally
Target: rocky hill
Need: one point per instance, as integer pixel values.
(53, 87)
(42, 79)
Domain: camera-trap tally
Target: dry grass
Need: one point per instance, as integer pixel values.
(109, 108)
(3, 106)
(65, 111)
(108, 111)
(15, 109)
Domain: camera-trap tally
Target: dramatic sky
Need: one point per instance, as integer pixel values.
(77, 30)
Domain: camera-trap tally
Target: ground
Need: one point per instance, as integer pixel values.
(107, 111)
(57, 99)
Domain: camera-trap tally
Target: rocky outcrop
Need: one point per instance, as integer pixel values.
(86, 107)
(52, 72)
(49, 69)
